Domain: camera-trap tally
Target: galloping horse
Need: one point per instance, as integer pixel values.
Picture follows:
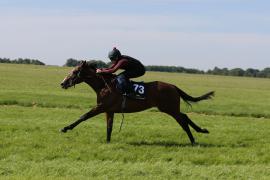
(164, 96)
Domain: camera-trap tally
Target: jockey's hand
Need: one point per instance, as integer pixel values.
(98, 71)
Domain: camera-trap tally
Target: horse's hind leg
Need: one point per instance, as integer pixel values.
(192, 124)
(184, 124)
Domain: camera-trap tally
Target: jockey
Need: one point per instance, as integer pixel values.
(133, 68)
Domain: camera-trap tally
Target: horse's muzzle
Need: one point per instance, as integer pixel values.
(64, 85)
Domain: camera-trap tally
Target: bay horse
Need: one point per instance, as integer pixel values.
(164, 96)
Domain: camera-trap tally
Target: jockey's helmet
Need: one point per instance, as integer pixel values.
(114, 54)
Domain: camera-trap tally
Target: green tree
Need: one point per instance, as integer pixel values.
(71, 62)
(237, 72)
(251, 72)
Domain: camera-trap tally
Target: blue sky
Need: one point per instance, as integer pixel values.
(191, 33)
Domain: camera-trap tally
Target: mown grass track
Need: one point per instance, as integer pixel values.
(33, 108)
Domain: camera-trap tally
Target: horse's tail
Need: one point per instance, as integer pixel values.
(187, 98)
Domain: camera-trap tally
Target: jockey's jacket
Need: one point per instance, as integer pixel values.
(133, 67)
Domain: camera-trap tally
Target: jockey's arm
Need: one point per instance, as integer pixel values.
(114, 67)
(111, 66)
(100, 70)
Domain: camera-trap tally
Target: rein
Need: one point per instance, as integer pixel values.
(106, 84)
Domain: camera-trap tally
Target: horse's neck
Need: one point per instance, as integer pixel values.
(94, 83)
(109, 77)
(98, 83)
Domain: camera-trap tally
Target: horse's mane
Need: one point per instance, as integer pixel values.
(94, 65)
(91, 64)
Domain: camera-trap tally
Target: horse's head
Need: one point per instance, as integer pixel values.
(79, 74)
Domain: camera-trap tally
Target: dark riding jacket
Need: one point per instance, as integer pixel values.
(133, 67)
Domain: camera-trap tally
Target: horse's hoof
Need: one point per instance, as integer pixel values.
(205, 131)
(63, 130)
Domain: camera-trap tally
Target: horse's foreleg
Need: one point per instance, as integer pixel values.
(109, 117)
(93, 112)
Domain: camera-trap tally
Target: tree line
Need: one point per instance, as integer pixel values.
(21, 61)
(73, 62)
(250, 72)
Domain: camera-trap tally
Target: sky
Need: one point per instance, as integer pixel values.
(197, 34)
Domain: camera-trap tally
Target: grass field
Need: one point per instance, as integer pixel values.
(33, 107)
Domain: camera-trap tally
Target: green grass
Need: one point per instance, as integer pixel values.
(151, 145)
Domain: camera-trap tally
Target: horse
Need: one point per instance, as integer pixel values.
(164, 96)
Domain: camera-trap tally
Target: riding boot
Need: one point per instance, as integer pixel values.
(129, 91)
(122, 83)
(125, 86)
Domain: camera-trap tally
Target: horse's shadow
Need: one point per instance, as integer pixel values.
(159, 143)
(174, 144)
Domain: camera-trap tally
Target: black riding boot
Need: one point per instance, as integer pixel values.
(125, 86)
